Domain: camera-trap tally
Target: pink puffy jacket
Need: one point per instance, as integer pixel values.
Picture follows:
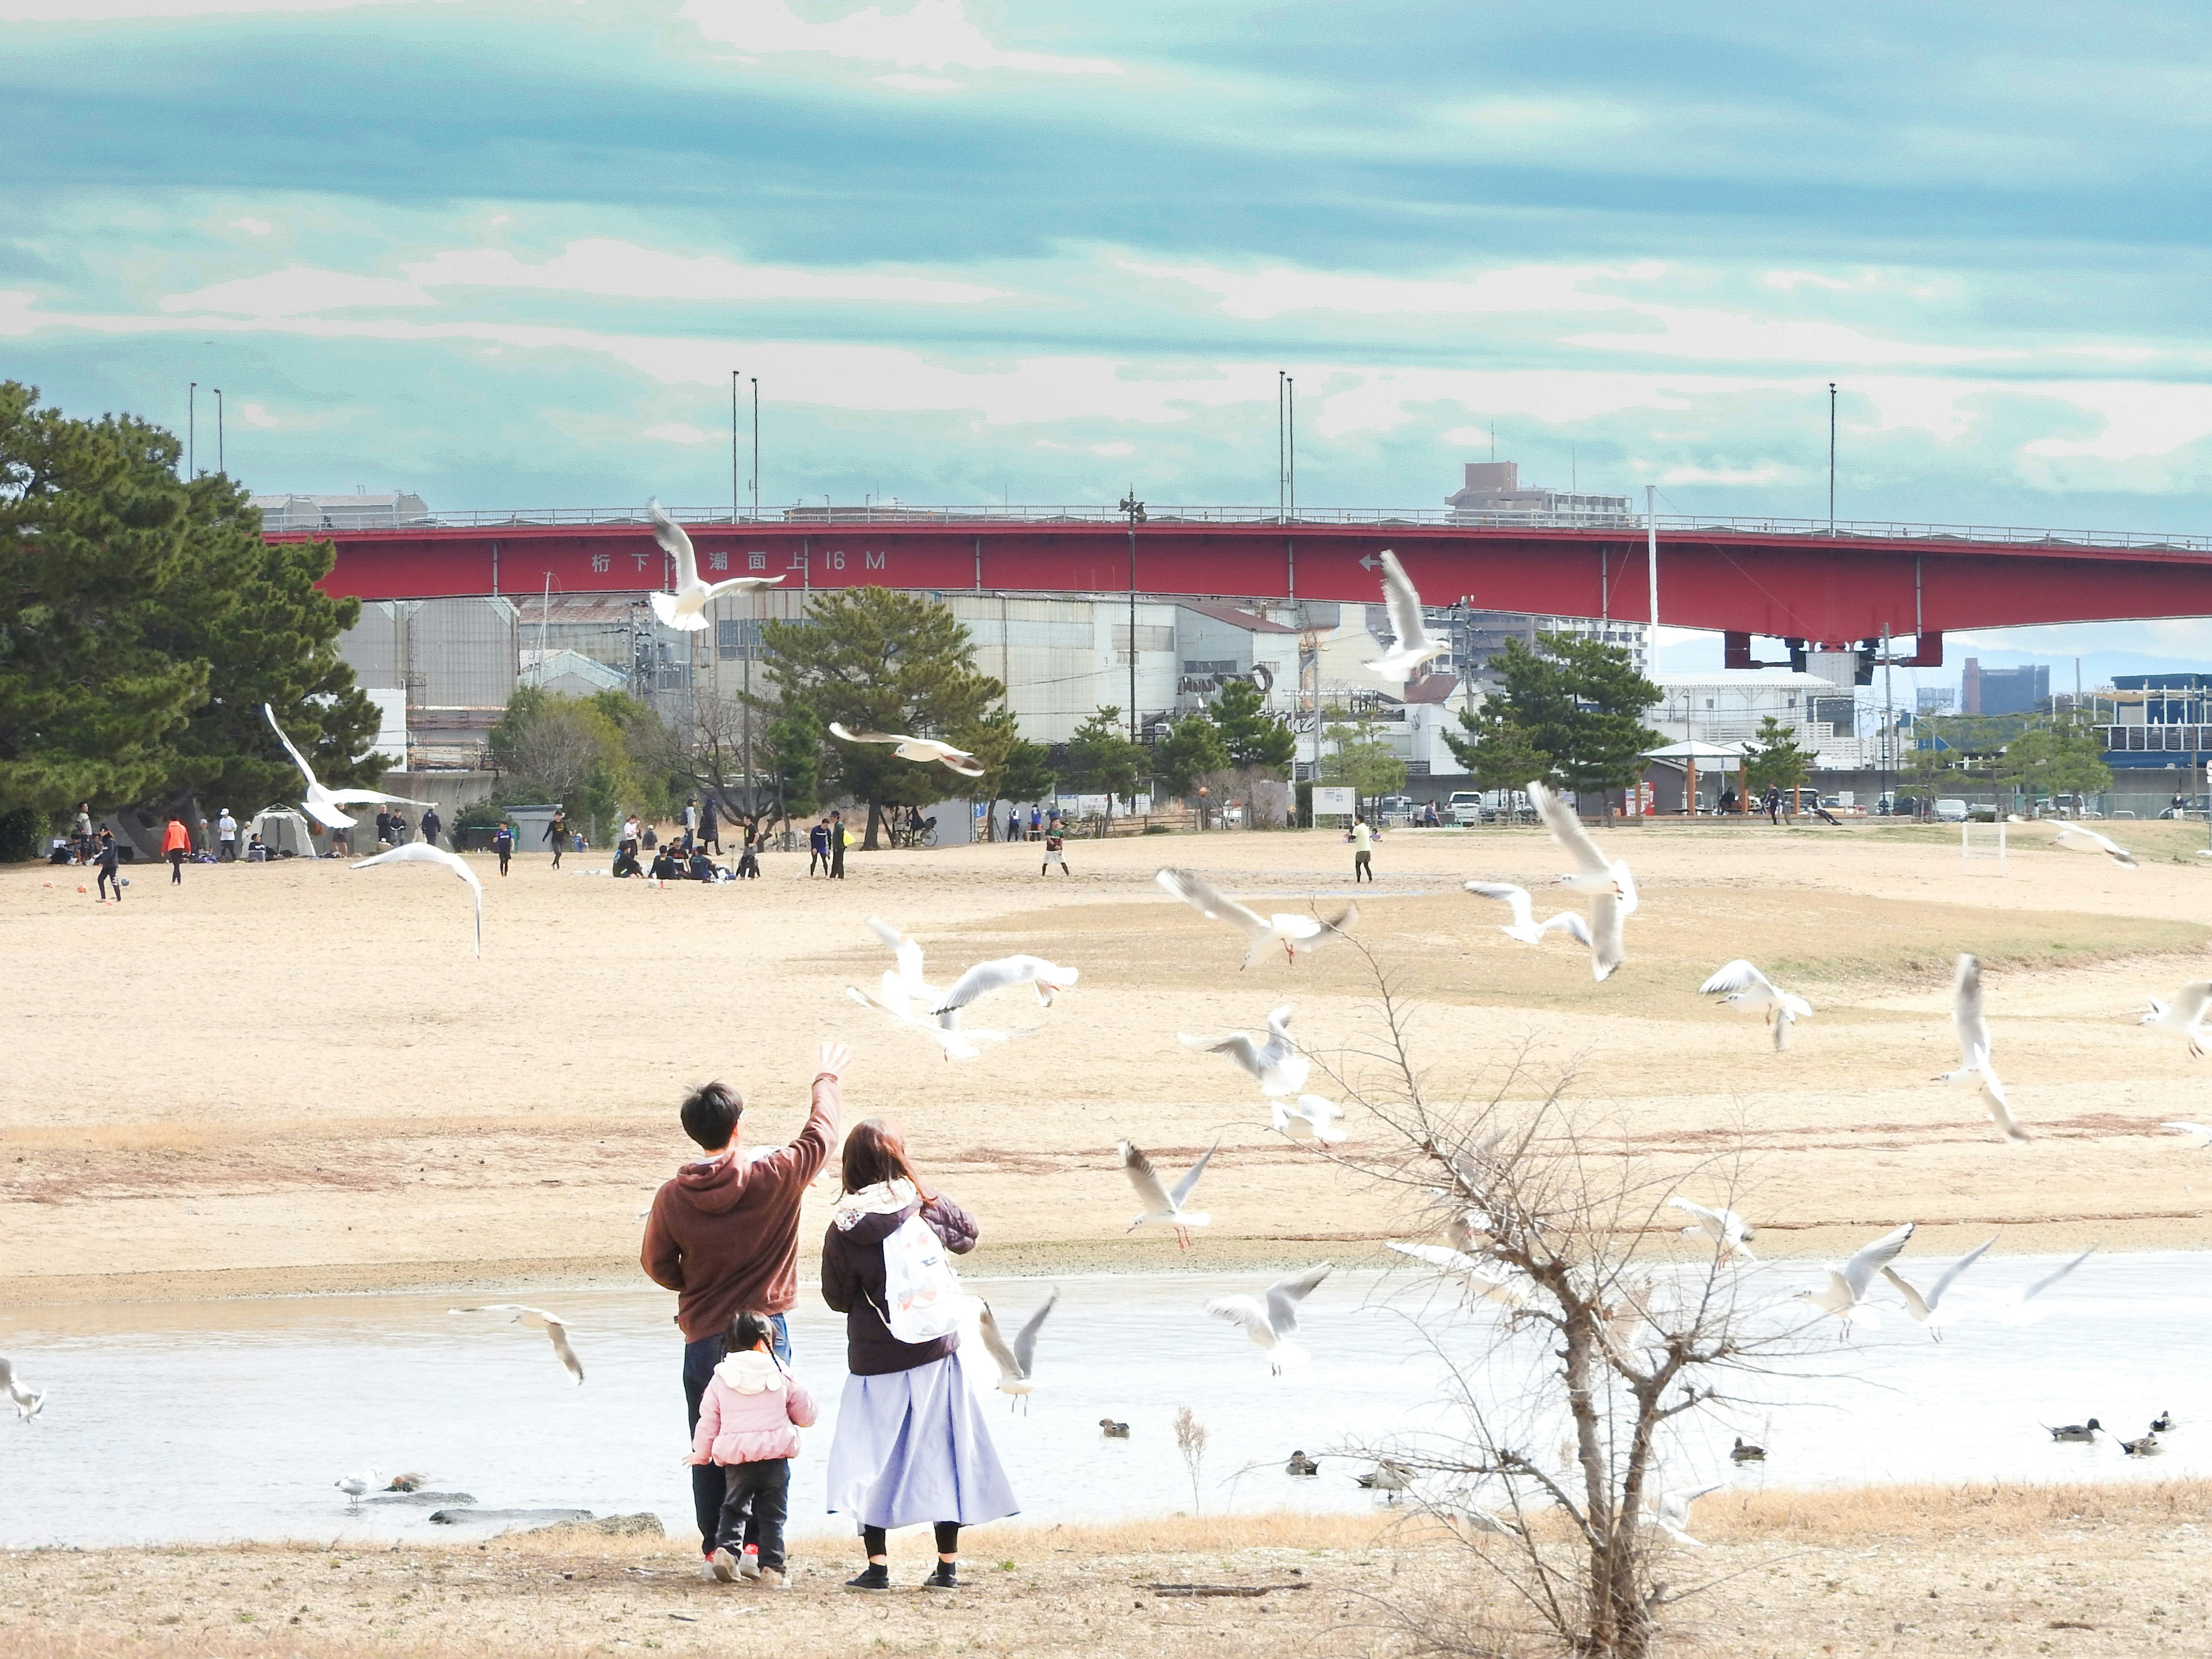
(752, 1412)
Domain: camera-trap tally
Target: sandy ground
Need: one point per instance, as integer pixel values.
(2092, 1572)
(297, 1077)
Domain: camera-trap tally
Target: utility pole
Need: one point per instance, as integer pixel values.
(1651, 559)
(218, 430)
(756, 379)
(1832, 458)
(1291, 408)
(1282, 486)
(1888, 714)
(192, 431)
(733, 446)
(1135, 509)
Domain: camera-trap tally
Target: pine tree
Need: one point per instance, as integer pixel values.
(1101, 758)
(1192, 748)
(1774, 760)
(1571, 712)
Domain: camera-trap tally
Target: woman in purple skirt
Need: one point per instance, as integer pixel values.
(911, 1445)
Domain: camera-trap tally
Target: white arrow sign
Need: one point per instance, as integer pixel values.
(1371, 562)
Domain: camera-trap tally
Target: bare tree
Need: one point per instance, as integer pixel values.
(708, 747)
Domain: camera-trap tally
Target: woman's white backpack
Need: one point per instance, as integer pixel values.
(922, 1297)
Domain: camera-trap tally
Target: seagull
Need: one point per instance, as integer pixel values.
(2077, 1430)
(1489, 1282)
(916, 748)
(906, 954)
(2185, 1017)
(1280, 1068)
(1269, 1323)
(1411, 646)
(1741, 1453)
(1525, 927)
(896, 999)
(1845, 1292)
(421, 851)
(27, 1405)
(1016, 1373)
(1295, 933)
(987, 977)
(1752, 991)
(324, 805)
(1724, 1227)
(1974, 1048)
(1929, 1310)
(686, 608)
(537, 1320)
(1312, 1119)
(1611, 888)
(355, 1486)
(2010, 1307)
(1673, 1511)
(1163, 1207)
(2076, 838)
(1481, 1520)
(2199, 1129)
(1301, 1464)
(1389, 1476)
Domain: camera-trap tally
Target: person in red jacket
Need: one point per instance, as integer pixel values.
(724, 1236)
(176, 847)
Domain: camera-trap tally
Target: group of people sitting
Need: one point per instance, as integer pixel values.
(641, 851)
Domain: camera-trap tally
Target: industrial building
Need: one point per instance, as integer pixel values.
(2001, 690)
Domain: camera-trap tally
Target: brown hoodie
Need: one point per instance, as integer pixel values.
(724, 1234)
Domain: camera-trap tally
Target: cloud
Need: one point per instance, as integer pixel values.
(108, 11)
(251, 226)
(678, 432)
(2139, 420)
(1739, 337)
(257, 414)
(918, 83)
(1272, 293)
(1725, 474)
(931, 34)
(298, 290)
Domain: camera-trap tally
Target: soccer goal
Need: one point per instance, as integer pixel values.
(1983, 844)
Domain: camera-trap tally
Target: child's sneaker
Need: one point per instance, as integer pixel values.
(706, 1567)
(748, 1564)
(722, 1567)
(775, 1578)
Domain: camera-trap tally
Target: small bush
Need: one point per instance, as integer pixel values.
(20, 833)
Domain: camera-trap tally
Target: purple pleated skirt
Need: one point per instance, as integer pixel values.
(911, 1447)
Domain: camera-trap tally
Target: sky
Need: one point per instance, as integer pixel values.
(507, 254)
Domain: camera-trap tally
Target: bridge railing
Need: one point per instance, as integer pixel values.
(1670, 525)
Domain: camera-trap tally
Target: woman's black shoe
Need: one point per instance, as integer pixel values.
(877, 1577)
(947, 1576)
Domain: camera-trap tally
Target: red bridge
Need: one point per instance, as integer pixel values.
(1839, 585)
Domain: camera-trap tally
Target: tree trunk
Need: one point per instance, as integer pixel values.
(869, 842)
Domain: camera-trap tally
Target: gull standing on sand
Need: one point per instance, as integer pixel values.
(1974, 1048)
(686, 608)
(1412, 644)
(1312, 1119)
(1295, 933)
(27, 1405)
(988, 976)
(421, 851)
(1164, 1208)
(1525, 927)
(1753, 992)
(1672, 1512)
(1271, 1322)
(1725, 1228)
(2185, 1016)
(907, 747)
(326, 806)
(1277, 1063)
(1846, 1293)
(1017, 1363)
(1929, 1310)
(1611, 888)
(536, 1319)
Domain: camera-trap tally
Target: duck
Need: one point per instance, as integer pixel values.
(1742, 1453)
(2161, 1423)
(1301, 1464)
(1112, 1429)
(2077, 1430)
(2146, 1447)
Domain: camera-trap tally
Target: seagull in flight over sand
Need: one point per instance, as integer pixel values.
(1277, 1063)
(1525, 927)
(1271, 1322)
(1017, 1372)
(1974, 1048)
(686, 608)
(2201, 1131)
(2185, 1016)
(1164, 1208)
(1412, 645)
(1295, 933)
(1671, 1515)
(916, 748)
(1312, 1118)
(1846, 1293)
(912, 1001)
(1753, 992)
(421, 851)
(1611, 888)
(1489, 1281)
(988, 976)
(324, 805)
(2079, 838)
(1724, 1228)
(537, 1320)
(27, 1405)
(1929, 1310)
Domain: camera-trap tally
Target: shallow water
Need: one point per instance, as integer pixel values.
(217, 1420)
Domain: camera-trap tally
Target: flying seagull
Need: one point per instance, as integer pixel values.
(988, 976)
(2185, 1016)
(1277, 1063)
(2011, 1306)
(1611, 888)
(2201, 1131)
(686, 608)
(1311, 1119)
(2079, 838)
(896, 999)
(1163, 1207)
(1270, 1322)
(536, 1319)
(1846, 1293)
(1672, 1515)
(27, 1405)
(1295, 933)
(1411, 646)
(916, 748)
(1974, 1048)
(1525, 927)
(1488, 1281)
(1753, 992)
(421, 851)
(325, 806)
(1017, 1372)
(1929, 1310)
(1725, 1228)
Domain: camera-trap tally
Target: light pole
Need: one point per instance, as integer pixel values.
(1832, 458)
(734, 491)
(1135, 509)
(756, 448)
(1290, 409)
(218, 429)
(192, 431)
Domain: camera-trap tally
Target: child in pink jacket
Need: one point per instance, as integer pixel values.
(749, 1425)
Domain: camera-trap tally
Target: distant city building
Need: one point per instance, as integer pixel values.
(1477, 636)
(388, 511)
(2001, 690)
(1935, 699)
(1493, 491)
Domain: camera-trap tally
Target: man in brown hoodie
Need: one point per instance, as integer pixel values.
(724, 1236)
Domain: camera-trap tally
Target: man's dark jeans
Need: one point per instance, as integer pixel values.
(700, 1359)
(756, 1502)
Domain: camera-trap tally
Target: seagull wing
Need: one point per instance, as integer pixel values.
(1571, 923)
(1715, 1224)
(1999, 1109)
(1188, 1184)
(986, 1324)
(2203, 1129)
(1943, 1284)
(559, 1333)
(1025, 1339)
(298, 759)
(1606, 951)
(1507, 893)
(741, 585)
(1437, 1256)
(1737, 975)
(2049, 1279)
(1404, 603)
(1203, 897)
(1920, 1306)
(908, 953)
(1248, 1311)
(1966, 1012)
(2192, 1001)
(1858, 1273)
(1138, 1168)
(1566, 827)
(1237, 1045)
(421, 851)
(837, 731)
(676, 543)
(988, 976)
(1285, 1295)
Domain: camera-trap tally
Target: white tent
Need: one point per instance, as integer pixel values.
(282, 830)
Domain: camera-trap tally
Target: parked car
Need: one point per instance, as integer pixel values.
(1951, 810)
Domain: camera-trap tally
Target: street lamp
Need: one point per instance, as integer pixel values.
(1135, 510)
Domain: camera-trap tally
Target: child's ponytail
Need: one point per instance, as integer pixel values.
(747, 1330)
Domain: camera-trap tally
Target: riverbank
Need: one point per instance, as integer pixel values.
(2085, 1571)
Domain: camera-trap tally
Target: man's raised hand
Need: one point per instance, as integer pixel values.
(835, 1057)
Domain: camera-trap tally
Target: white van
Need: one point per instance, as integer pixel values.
(1950, 809)
(1465, 808)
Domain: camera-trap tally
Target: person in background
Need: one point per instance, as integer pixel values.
(710, 828)
(748, 855)
(384, 826)
(818, 840)
(626, 864)
(1013, 823)
(431, 825)
(176, 847)
(109, 858)
(1773, 804)
(627, 842)
(256, 850)
(691, 819)
(1054, 852)
(649, 839)
(1036, 823)
(1362, 848)
(86, 849)
(503, 842)
(837, 839)
(226, 837)
(557, 833)
(341, 843)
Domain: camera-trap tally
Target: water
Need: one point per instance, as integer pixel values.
(175, 1422)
